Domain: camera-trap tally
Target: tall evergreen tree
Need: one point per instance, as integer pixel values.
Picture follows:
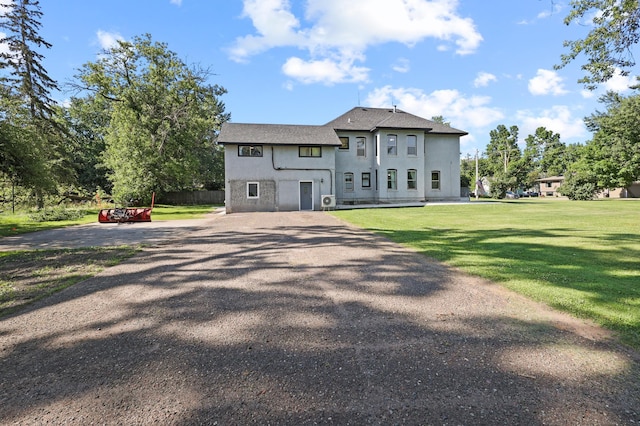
(27, 77)
(26, 102)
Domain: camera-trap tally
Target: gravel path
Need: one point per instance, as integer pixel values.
(297, 318)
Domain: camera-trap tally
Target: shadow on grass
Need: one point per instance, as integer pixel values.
(600, 283)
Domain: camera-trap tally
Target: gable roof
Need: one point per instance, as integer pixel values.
(277, 134)
(370, 119)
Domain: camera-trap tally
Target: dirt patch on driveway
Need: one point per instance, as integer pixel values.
(26, 276)
(297, 318)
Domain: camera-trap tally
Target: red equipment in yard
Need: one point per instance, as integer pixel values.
(127, 214)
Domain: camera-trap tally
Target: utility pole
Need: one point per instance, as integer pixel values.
(477, 177)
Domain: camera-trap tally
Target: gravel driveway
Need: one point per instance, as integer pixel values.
(298, 318)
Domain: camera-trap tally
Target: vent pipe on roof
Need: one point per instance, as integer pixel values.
(394, 108)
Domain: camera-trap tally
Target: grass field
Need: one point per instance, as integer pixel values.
(579, 257)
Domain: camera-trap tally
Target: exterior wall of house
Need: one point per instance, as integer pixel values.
(549, 187)
(632, 191)
(277, 173)
(400, 163)
(442, 156)
(433, 153)
(348, 161)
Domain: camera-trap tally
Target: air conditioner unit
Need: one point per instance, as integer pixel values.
(328, 201)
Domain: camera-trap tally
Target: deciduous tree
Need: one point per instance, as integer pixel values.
(609, 45)
(614, 151)
(164, 117)
(544, 153)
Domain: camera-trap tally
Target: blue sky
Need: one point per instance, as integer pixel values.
(477, 63)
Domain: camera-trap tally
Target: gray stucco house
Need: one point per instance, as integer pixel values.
(367, 155)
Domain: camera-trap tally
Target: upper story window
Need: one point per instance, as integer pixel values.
(412, 179)
(345, 142)
(435, 180)
(392, 144)
(348, 182)
(249, 150)
(361, 147)
(309, 151)
(412, 145)
(392, 179)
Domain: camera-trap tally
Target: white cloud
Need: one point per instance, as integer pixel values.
(558, 118)
(547, 82)
(544, 14)
(547, 13)
(557, 8)
(342, 30)
(587, 94)
(619, 83)
(326, 71)
(108, 40)
(176, 2)
(483, 79)
(4, 3)
(463, 112)
(402, 65)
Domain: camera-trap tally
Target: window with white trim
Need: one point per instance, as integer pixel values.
(366, 180)
(361, 147)
(412, 179)
(253, 189)
(392, 179)
(435, 180)
(392, 144)
(348, 182)
(412, 145)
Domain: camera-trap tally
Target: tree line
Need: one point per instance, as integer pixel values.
(611, 159)
(140, 120)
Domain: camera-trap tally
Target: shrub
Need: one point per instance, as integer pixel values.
(56, 214)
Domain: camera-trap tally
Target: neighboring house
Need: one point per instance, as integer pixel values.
(549, 186)
(367, 155)
(632, 191)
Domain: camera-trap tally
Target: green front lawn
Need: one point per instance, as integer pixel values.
(580, 257)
